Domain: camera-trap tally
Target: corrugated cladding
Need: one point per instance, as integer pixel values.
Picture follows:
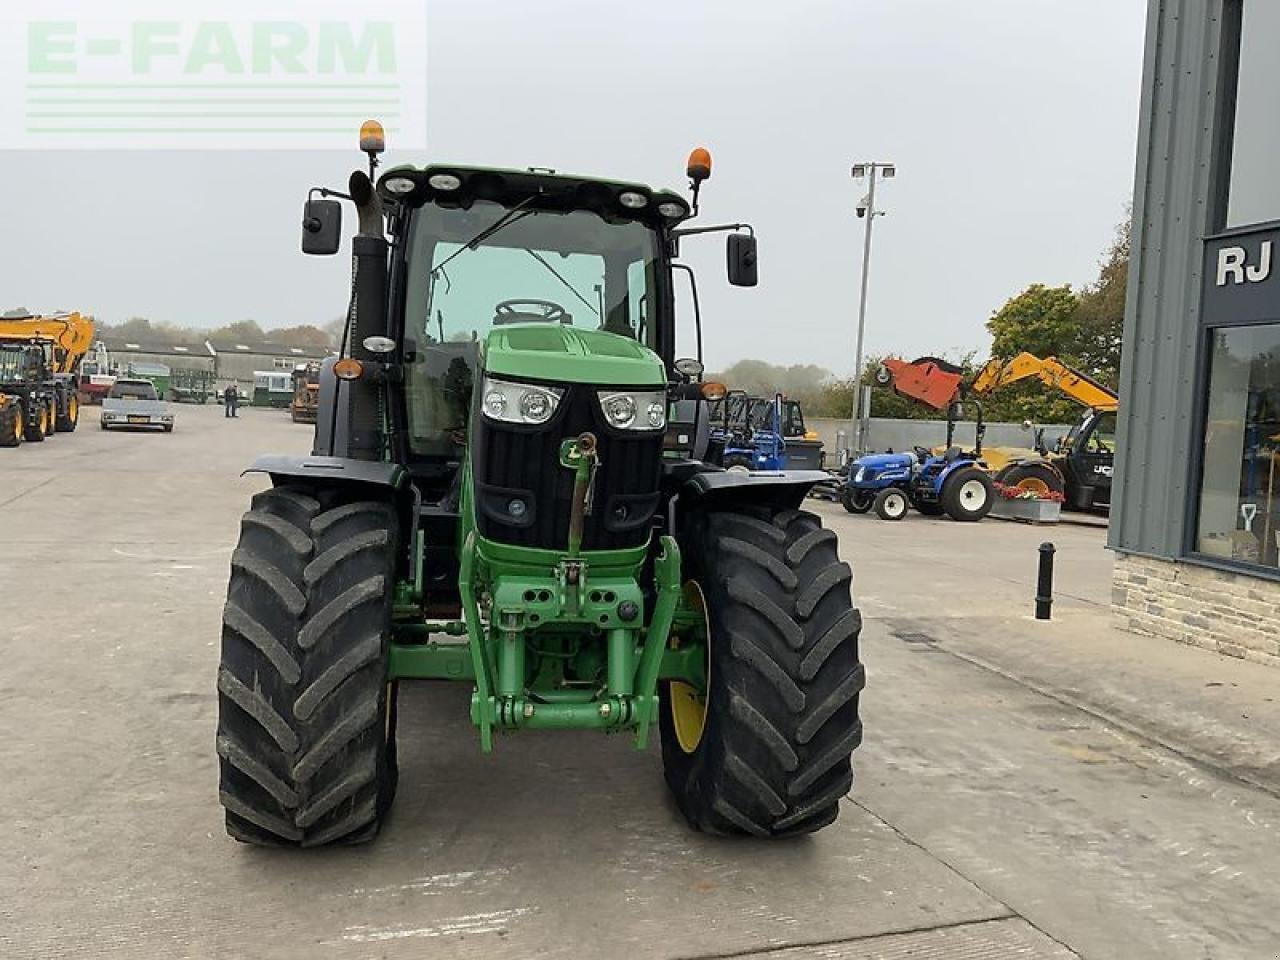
(1173, 211)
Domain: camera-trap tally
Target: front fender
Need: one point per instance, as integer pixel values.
(776, 488)
(329, 470)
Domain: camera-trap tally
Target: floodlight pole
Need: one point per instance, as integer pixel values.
(860, 416)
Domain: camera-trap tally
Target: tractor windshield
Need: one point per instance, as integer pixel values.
(13, 365)
(529, 266)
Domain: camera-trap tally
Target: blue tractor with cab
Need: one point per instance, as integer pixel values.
(765, 433)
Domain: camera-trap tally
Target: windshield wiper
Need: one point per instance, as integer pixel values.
(555, 273)
(511, 216)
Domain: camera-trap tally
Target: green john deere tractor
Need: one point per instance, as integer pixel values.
(507, 490)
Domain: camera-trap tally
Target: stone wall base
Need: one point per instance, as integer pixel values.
(1236, 615)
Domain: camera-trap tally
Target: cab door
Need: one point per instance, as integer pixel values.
(1094, 455)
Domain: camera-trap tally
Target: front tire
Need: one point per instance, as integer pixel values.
(769, 752)
(305, 714)
(10, 425)
(856, 501)
(70, 417)
(891, 504)
(38, 429)
(968, 495)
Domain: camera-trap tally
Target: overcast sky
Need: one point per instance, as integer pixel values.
(1013, 123)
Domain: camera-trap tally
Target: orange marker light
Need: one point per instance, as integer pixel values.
(714, 391)
(373, 139)
(348, 368)
(699, 167)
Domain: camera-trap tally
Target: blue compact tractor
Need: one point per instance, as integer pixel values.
(955, 483)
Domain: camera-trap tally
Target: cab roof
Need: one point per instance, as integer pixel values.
(541, 188)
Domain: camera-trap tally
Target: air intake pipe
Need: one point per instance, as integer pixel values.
(367, 318)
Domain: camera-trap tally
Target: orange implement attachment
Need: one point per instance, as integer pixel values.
(925, 380)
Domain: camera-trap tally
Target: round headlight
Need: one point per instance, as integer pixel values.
(495, 403)
(657, 414)
(399, 185)
(620, 410)
(536, 406)
(671, 210)
(444, 181)
(632, 200)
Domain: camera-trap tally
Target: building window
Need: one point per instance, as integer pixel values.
(284, 363)
(1240, 488)
(1253, 188)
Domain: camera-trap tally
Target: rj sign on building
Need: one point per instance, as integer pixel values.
(267, 74)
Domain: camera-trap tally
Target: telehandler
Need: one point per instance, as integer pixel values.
(1081, 465)
(507, 489)
(61, 340)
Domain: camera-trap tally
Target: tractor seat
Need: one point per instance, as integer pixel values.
(953, 454)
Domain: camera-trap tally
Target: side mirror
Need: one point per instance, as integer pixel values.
(741, 252)
(321, 227)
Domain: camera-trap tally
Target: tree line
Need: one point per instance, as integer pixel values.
(1080, 327)
(145, 331)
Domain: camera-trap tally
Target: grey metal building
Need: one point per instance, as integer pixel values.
(124, 352)
(1196, 498)
(237, 362)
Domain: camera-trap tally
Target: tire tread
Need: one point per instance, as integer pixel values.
(782, 710)
(302, 685)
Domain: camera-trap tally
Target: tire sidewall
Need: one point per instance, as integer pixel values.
(953, 494)
(683, 770)
(891, 505)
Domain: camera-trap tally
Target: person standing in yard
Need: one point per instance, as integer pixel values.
(230, 400)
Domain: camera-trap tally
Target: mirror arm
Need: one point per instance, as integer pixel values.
(718, 228)
(326, 192)
(697, 310)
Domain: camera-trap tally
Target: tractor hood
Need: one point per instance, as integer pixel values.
(884, 461)
(558, 353)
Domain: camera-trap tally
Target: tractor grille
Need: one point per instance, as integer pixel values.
(513, 462)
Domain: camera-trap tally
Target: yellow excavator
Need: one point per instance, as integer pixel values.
(39, 364)
(1082, 463)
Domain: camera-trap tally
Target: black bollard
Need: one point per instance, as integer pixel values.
(1044, 586)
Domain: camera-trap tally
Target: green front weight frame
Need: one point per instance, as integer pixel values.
(583, 592)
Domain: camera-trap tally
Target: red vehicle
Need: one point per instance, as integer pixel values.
(95, 374)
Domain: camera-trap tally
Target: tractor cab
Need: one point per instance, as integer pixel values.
(1086, 458)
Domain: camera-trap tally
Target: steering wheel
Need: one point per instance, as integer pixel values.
(543, 311)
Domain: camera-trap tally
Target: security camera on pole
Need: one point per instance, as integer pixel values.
(867, 211)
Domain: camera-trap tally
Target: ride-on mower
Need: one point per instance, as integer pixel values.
(496, 497)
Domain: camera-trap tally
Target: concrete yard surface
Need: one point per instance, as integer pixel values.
(1026, 790)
